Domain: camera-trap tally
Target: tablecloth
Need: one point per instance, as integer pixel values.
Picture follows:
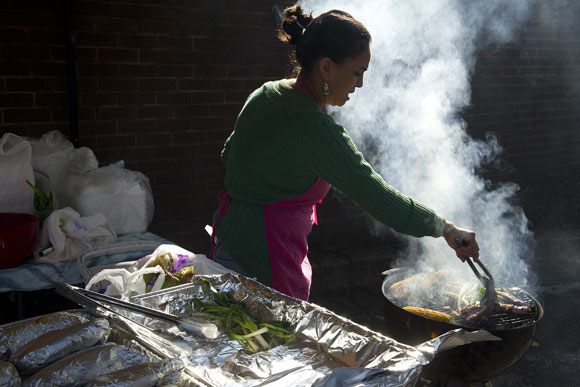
(32, 276)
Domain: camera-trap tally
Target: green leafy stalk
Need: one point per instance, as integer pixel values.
(238, 324)
(41, 201)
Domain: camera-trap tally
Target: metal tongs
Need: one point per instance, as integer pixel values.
(486, 280)
(94, 300)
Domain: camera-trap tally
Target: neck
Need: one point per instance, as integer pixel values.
(306, 86)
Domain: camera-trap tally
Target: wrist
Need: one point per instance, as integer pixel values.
(448, 227)
(439, 227)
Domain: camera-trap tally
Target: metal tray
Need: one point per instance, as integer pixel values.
(329, 349)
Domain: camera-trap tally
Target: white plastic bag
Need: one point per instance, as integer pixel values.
(69, 234)
(54, 157)
(128, 282)
(122, 195)
(124, 283)
(15, 169)
(182, 258)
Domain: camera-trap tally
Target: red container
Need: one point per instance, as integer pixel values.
(18, 234)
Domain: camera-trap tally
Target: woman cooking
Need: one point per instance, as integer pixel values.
(285, 153)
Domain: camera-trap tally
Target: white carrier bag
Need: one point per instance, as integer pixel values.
(15, 169)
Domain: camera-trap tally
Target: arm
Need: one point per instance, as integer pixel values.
(337, 160)
(332, 155)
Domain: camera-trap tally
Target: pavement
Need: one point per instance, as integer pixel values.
(553, 358)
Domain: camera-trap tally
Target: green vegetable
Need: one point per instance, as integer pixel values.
(41, 201)
(239, 325)
(165, 261)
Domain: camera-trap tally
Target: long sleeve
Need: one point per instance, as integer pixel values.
(333, 156)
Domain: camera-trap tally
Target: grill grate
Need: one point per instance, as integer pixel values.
(498, 321)
(506, 320)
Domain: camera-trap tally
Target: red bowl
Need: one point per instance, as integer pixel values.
(18, 234)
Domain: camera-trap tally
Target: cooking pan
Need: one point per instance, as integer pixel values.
(471, 363)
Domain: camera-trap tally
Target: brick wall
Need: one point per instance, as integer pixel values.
(527, 94)
(33, 95)
(161, 82)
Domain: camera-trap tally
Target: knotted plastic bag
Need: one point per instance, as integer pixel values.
(141, 277)
(69, 234)
(15, 169)
(122, 195)
(54, 157)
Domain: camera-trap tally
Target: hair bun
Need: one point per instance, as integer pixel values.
(293, 25)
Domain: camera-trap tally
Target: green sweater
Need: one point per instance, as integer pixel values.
(282, 143)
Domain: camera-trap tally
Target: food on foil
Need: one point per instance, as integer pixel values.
(82, 367)
(237, 322)
(57, 344)
(9, 376)
(430, 313)
(175, 271)
(14, 336)
(157, 373)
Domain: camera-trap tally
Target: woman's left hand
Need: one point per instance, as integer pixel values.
(462, 241)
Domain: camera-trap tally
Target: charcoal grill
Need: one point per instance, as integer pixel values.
(472, 363)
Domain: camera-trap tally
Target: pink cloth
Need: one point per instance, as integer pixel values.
(288, 223)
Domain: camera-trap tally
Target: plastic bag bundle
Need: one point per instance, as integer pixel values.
(152, 272)
(54, 157)
(123, 196)
(69, 234)
(124, 283)
(15, 169)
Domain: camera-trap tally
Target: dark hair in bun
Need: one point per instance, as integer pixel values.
(334, 34)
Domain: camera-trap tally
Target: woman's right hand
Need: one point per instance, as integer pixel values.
(462, 241)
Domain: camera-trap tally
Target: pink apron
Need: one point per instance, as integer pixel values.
(288, 223)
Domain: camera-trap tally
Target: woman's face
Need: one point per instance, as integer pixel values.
(345, 77)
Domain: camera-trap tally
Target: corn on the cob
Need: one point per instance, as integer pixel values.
(433, 278)
(430, 314)
(403, 287)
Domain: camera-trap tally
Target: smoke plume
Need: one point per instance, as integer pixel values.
(406, 121)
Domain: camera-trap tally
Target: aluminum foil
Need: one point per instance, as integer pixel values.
(132, 350)
(15, 335)
(159, 373)
(57, 344)
(9, 376)
(84, 366)
(329, 350)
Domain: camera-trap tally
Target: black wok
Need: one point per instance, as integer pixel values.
(470, 363)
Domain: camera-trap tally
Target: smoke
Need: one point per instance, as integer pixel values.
(406, 121)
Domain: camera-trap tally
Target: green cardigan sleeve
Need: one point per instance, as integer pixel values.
(332, 155)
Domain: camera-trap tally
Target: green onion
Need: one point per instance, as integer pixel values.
(239, 325)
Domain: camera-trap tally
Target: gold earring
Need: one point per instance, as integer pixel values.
(326, 89)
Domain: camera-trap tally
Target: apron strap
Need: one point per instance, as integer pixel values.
(225, 199)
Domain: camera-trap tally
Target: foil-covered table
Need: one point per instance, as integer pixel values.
(329, 350)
